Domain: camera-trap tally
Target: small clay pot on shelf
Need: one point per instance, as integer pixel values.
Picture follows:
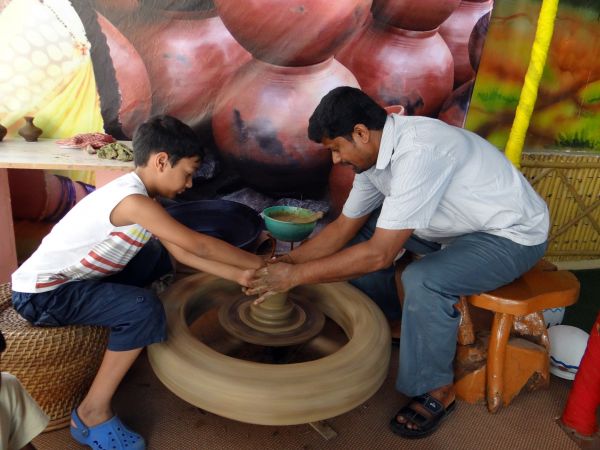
(29, 131)
(3, 132)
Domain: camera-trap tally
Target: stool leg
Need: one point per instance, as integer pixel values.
(495, 362)
(466, 334)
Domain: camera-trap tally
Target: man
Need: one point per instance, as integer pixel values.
(443, 192)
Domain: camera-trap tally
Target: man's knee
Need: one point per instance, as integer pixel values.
(414, 277)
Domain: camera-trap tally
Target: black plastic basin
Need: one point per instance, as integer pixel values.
(229, 221)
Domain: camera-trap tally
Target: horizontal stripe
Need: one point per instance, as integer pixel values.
(95, 268)
(40, 285)
(106, 261)
(128, 239)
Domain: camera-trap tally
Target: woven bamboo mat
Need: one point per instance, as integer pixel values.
(168, 422)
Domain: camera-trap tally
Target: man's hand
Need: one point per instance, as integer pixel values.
(269, 280)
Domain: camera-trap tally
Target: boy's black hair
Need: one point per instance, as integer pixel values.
(340, 110)
(165, 134)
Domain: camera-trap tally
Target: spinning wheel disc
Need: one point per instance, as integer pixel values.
(272, 394)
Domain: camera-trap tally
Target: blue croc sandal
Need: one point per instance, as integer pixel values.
(109, 435)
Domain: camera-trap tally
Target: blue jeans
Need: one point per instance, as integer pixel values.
(471, 264)
(134, 313)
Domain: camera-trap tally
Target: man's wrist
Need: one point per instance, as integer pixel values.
(295, 276)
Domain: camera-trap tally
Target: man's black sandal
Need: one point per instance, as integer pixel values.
(425, 425)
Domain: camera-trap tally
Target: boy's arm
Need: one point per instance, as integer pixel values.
(229, 272)
(152, 216)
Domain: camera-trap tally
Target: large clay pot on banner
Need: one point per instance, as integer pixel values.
(116, 10)
(132, 78)
(402, 67)
(189, 55)
(293, 32)
(340, 183)
(260, 124)
(418, 15)
(454, 110)
(456, 31)
(477, 39)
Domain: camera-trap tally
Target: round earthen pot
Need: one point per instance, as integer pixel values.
(477, 39)
(402, 67)
(340, 182)
(418, 15)
(456, 31)
(454, 110)
(293, 33)
(116, 10)
(189, 56)
(260, 124)
(132, 79)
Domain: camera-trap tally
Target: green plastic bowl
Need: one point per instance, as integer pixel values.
(288, 231)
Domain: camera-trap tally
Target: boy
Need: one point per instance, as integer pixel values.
(21, 419)
(92, 268)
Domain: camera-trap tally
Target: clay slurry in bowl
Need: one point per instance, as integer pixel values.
(285, 216)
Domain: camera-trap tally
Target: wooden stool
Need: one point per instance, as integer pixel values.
(511, 365)
(55, 364)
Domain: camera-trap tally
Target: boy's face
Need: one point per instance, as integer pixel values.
(175, 179)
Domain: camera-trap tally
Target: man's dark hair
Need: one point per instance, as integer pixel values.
(165, 134)
(340, 110)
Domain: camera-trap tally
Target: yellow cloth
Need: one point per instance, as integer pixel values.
(21, 419)
(46, 72)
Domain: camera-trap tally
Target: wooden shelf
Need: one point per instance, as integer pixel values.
(46, 154)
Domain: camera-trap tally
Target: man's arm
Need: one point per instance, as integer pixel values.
(152, 216)
(329, 240)
(376, 253)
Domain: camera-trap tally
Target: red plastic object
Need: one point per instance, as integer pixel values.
(584, 398)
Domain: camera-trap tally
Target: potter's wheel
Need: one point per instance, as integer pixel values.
(299, 382)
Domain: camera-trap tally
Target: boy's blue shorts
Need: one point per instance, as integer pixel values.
(134, 314)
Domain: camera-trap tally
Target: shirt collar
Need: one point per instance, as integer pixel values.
(386, 146)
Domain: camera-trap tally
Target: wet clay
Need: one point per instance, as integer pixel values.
(294, 218)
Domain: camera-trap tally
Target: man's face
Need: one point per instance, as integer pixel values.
(178, 178)
(357, 154)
